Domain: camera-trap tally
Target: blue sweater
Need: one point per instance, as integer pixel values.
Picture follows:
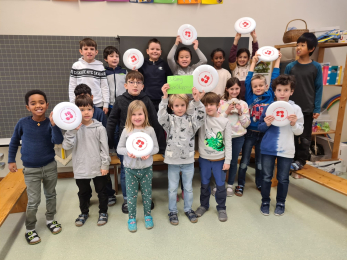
(256, 103)
(37, 142)
(100, 116)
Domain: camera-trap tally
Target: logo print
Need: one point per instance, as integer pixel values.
(187, 34)
(134, 59)
(205, 79)
(139, 144)
(245, 24)
(280, 114)
(268, 52)
(67, 115)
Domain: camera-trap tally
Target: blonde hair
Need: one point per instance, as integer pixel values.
(259, 76)
(183, 97)
(133, 106)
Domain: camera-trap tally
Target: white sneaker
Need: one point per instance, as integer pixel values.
(214, 191)
(230, 192)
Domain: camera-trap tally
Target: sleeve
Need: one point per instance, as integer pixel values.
(199, 115)
(318, 83)
(155, 142)
(245, 119)
(72, 85)
(15, 142)
(121, 148)
(287, 69)
(232, 57)
(69, 139)
(298, 128)
(105, 90)
(171, 58)
(168, 71)
(228, 145)
(274, 75)
(248, 86)
(104, 151)
(112, 121)
(255, 48)
(202, 59)
(57, 136)
(163, 116)
(262, 126)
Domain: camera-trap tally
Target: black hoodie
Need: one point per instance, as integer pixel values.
(118, 116)
(155, 74)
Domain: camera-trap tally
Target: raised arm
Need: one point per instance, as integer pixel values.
(171, 56)
(233, 52)
(201, 56)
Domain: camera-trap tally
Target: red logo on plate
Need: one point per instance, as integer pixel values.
(245, 24)
(205, 78)
(139, 144)
(187, 34)
(67, 115)
(280, 114)
(133, 58)
(268, 52)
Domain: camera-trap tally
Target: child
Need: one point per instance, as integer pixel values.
(258, 96)
(134, 86)
(238, 115)
(218, 57)
(307, 95)
(39, 134)
(89, 71)
(115, 74)
(215, 155)
(138, 170)
(278, 143)
(155, 72)
(238, 61)
(179, 154)
(90, 159)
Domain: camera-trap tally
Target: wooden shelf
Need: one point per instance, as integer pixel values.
(324, 133)
(320, 45)
(332, 85)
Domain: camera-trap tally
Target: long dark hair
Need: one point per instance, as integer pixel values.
(242, 50)
(231, 82)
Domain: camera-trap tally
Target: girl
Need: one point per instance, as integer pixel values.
(238, 61)
(239, 120)
(138, 170)
(218, 57)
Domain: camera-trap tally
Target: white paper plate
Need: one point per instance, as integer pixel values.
(245, 25)
(205, 77)
(188, 34)
(268, 53)
(67, 116)
(133, 58)
(139, 144)
(280, 110)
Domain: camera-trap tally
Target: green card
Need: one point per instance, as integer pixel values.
(180, 84)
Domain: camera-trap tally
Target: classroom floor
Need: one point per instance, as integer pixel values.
(313, 227)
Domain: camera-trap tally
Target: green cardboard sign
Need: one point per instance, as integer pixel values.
(180, 84)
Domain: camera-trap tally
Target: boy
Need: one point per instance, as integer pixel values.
(258, 96)
(179, 154)
(278, 143)
(134, 86)
(215, 155)
(155, 72)
(39, 134)
(115, 74)
(99, 115)
(90, 159)
(89, 71)
(308, 94)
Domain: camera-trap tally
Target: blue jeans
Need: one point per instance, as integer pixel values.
(283, 167)
(216, 167)
(237, 144)
(174, 178)
(122, 176)
(252, 138)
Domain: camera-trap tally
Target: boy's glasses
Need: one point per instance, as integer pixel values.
(133, 83)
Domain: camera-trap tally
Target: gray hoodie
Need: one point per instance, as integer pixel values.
(90, 151)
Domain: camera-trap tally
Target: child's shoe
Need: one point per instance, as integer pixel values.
(265, 208)
(125, 207)
(295, 166)
(111, 201)
(222, 215)
(54, 227)
(32, 238)
(279, 210)
(230, 191)
(149, 222)
(103, 217)
(192, 216)
(214, 190)
(239, 191)
(82, 218)
(173, 218)
(132, 226)
(200, 211)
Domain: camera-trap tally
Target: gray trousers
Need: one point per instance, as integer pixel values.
(33, 177)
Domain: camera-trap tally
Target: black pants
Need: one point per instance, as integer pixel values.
(85, 193)
(303, 142)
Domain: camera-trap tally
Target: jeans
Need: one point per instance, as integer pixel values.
(122, 177)
(33, 177)
(237, 144)
(174, 178)
(252, 138)
(283, 167)
(303, 141)
(219, 176)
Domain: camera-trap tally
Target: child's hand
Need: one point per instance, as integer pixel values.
(78, 127)
(12, 166)
(237, 38)
(134, 68)
(315, 115)
(238, 107)
(196, 94)
(105, 109)
(277, 62)
(51, 118)
(196, 44)
(292, 119)
(268, 120)
(103, 172)
(164, 90)
(201, 94)
(226, 167)
(230, 107)
(178, 40)
(255, 58)
(131, 155)
(254, 36)
(145, 157)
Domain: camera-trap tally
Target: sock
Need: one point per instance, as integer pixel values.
(36, 238)
(27, 231)
(230, 186)
(49, 222)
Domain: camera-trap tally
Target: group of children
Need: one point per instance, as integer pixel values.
(116, 103)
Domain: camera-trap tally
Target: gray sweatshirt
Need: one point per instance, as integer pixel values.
(180, 132)
(137, 163)
(215, 139)
(90, 151)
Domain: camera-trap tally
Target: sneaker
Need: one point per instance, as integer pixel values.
(132, 226)
(279, 210)
(200, 211)
(82, 218)
(222, 215)
(265, 208)
(192, 216)
(239, 191)
(173, 218)
(230, 192)
(214, 190)
(295, 166)
(111, 201)
(32, 238)
(149, 222)
(103, 217)
(152, 205)
(125, 207)
(259, 188)
(182, 195)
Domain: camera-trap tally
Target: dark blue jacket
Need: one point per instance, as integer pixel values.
(100, 116)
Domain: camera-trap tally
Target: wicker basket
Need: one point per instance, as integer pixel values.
(293, 35)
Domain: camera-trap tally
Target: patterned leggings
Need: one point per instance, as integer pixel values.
(134, 177)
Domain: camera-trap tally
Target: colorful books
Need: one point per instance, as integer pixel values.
(332, 75)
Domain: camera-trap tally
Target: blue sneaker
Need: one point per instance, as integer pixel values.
(279, 210)
(132, 226)
(265, 208)
(149, 222)
(296, 166)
